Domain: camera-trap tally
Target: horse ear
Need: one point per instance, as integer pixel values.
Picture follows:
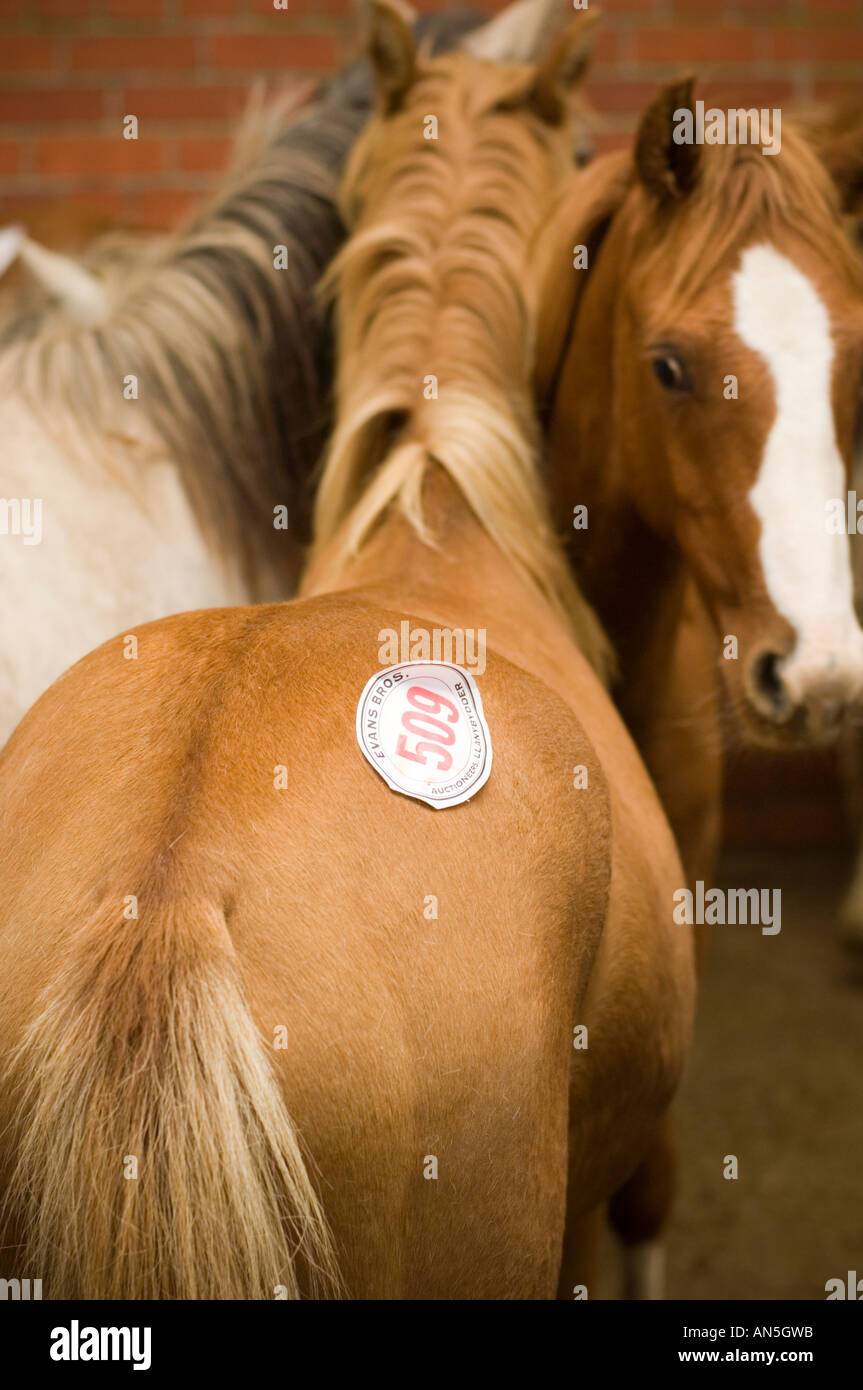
(574, 231)
(564, 67)
(666, 155)
(391, 48)
(517, 35)
(11, 239)
(843, 159)
(79, 293)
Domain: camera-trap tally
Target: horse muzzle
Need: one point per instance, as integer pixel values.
(809, 695)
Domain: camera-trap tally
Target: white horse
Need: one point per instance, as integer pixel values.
(163, 403)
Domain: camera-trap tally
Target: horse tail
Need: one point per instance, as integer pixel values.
(155, 1158)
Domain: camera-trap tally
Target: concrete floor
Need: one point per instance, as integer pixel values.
(776, 1078)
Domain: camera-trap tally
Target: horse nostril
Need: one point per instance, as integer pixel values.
(768, 682)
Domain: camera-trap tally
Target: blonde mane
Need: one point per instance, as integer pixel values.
(435, 337)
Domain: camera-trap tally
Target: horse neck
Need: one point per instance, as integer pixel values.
(463, 579)
(633, 576)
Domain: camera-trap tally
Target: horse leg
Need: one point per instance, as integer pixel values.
(671, 708)
(685, 762)
(681, 746)
(582, 1241)
(639, 1213)
(851, 911)
(851, 767)
(851, 756)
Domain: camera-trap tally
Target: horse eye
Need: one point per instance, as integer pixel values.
(671, 373)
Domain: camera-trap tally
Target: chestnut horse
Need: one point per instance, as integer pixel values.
(700, 356)
(702, 386)
(268, 1022)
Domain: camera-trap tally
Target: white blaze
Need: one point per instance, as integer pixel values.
(779, 314)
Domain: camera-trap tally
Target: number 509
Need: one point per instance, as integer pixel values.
(435, 735)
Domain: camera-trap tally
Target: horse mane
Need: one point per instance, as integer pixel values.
(740, 195)
(435, 336)
(231, 354)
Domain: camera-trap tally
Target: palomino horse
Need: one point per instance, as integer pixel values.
(224, 916)
(700, 353)
(163, 405)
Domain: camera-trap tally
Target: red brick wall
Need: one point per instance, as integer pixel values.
(71, 69)
(764, 52)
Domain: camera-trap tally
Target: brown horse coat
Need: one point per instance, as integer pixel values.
(194, 946)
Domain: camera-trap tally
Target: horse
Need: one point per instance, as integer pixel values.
(164, 401)
(837, 135)
(269, 1023)
(164, 408)
(700, 344)
(675, 419)
(836, 132)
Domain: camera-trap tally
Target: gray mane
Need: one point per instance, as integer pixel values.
(233, 356)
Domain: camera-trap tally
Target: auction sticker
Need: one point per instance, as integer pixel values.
(421, 726)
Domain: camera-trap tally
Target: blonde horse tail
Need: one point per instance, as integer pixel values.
(154, 1156)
